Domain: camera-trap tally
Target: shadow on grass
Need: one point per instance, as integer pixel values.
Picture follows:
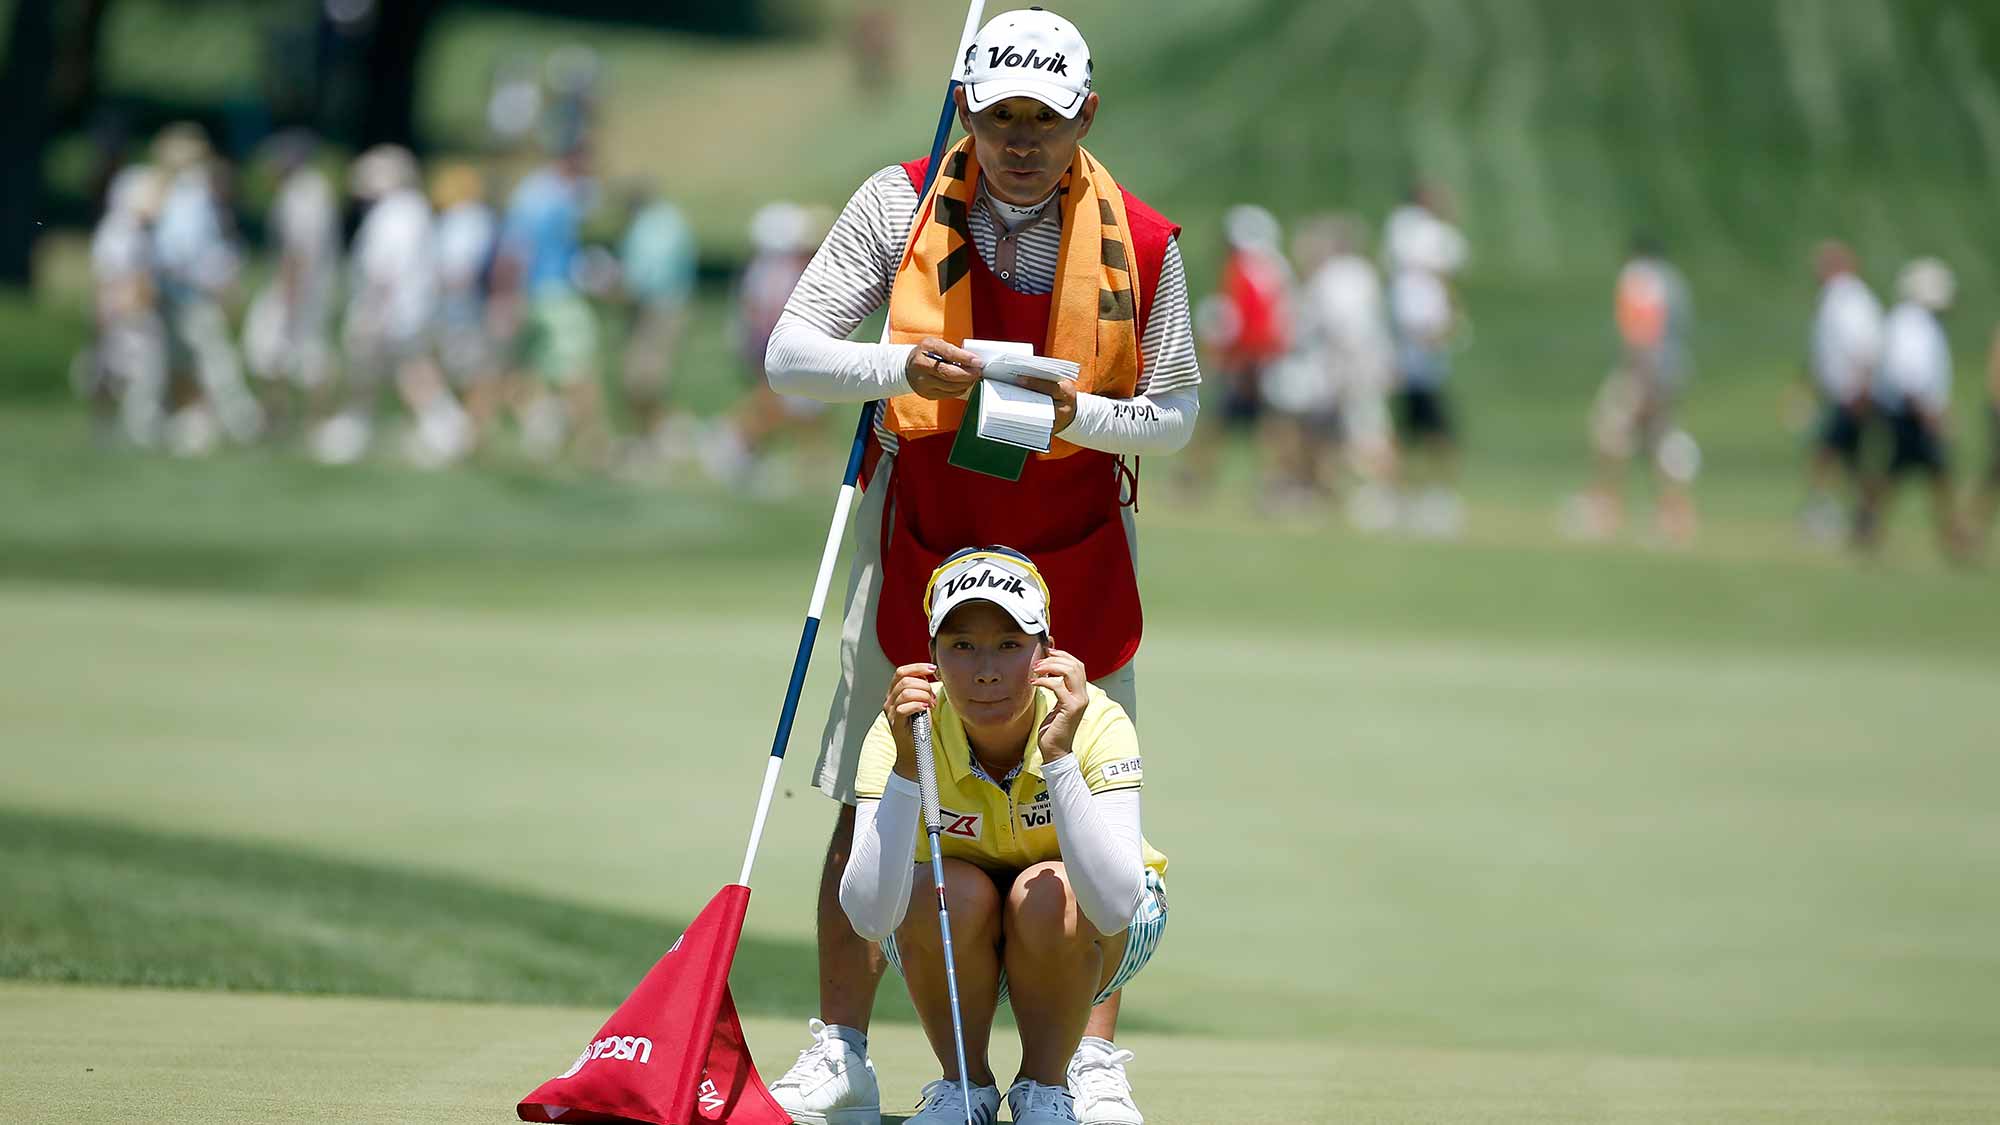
(99, 903)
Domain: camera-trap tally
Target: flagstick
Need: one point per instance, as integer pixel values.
(974, 15)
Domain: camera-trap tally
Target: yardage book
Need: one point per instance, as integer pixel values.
(1010, 362)
(1017, 416)
(1008, 420)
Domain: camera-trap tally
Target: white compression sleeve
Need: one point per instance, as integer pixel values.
(1102, 846)
(875, 888)
(1160, 423)
(803, 360)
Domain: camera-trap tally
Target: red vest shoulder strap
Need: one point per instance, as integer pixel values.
(915, 169)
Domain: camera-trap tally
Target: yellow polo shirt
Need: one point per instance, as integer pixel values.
(1013, 828)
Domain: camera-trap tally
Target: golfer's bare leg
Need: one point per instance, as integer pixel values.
(975, 908)
(1056, 962)
(850, 966)
(1103, 1021)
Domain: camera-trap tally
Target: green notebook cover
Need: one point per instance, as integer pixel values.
(982, 455)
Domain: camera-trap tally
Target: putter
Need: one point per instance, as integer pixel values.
(920, 733)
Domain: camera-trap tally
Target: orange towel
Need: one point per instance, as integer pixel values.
(1093, 320)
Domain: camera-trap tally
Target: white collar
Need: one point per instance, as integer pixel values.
(1014, 216)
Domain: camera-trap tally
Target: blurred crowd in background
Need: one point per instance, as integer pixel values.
(438, 311)
(422, 305)
(1338, 361)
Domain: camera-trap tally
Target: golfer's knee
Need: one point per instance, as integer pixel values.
(1042, 915)
(971, 899)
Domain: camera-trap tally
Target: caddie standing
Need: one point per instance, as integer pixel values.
(1024, 237)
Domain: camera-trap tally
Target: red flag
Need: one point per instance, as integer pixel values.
(673, 1053)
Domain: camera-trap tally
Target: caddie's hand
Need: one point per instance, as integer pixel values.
(1063, 391)
(911, 692)
(949, 377)
(1063, 675)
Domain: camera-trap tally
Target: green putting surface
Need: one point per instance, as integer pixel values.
(105, 1055)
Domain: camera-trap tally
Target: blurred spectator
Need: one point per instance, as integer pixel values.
(1913, 394)
(1248, 328)
(286, 335)
(1846, 345)
(1256, 281)
(1343, 329)
(197, 265)
(392, 300)
(538, 305)
(657, 258)
(1634, 411)
(125, 370)
(1424, 252)
(467, 238)
(783, 237)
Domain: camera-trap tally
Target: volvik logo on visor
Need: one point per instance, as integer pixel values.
(985, 579)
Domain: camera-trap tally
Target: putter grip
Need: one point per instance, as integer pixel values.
(920, 734)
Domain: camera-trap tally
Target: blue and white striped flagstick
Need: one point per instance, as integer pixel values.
(831, 552)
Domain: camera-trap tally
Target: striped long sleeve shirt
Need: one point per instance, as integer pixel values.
(851, 276)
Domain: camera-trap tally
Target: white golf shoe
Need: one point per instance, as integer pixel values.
(942, 1104)
(831, 1084)
(1097, 1081)
(1032, 1103)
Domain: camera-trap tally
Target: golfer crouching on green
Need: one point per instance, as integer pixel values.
(1056, 899)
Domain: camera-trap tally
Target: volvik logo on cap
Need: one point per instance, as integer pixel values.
(1012, 58)
(1028, 53)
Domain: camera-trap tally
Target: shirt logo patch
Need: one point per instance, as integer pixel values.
(1128, 769)
(965, 826)
(1040, 813)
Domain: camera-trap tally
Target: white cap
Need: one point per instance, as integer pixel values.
(998, 575)
(1027, 53)
(1928, 282)
(1250, 227)
(381, 170)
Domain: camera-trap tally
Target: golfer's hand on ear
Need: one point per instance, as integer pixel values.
(1063, 391)
(951, 377)
(1062, 674)
(911, 692)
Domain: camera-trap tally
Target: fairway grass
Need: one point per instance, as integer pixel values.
(1572, 844)
(91, 1055)
(97, 902)
(1501, 830)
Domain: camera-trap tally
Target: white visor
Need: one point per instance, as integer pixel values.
(989, 577)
